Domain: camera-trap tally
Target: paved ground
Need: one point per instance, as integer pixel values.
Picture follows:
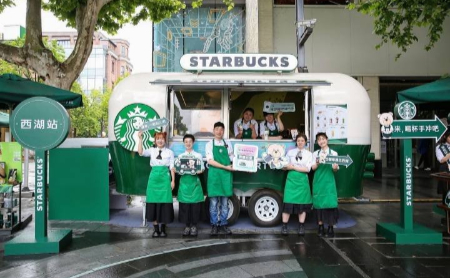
(103, 250)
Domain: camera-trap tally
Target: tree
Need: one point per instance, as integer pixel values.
(85, 16)
(395, 20)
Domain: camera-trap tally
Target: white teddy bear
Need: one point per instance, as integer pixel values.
(386, 120)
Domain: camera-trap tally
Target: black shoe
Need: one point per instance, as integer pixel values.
(194, 231)
(187, 231)
(284, 229)
(301, 229)
(330, 232)
(225, 230)
(163, 231)
(156, 232)
(214, 231)
(321, 231)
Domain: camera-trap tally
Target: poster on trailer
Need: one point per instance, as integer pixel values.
(245, 158)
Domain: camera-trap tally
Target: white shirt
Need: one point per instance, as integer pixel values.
(294, 158)
(271, 126)
(327, 151)
(439, 154)
(195, 154)
(166, 154)
(209, 148)
(244, 125)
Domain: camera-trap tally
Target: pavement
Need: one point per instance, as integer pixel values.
(102, 249)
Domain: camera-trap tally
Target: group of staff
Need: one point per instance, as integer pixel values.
(248, 128)
(219, 154)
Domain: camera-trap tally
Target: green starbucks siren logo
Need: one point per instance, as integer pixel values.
(406, 110)
(128, 122)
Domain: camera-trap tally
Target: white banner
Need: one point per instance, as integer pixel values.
(270, 107)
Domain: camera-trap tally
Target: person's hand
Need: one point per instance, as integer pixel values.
(229, 168)
(447, 157)
(140, 134)
(252, 126)
(172, 184)
(279, 114)
(335, 167)
(199, 171)
(288, 167)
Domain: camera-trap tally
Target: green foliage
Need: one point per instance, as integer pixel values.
(395, 20)
(5, 3)
(91, 119)
(119, 12)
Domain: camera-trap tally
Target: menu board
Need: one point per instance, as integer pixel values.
(245, 158)
(331, 119)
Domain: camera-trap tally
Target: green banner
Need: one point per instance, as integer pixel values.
(339, 160)
(409, 129)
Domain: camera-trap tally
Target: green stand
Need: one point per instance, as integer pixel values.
(407, 232)
(43, 241)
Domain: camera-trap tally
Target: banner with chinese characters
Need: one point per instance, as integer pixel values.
(270, 107)
(245, 158)
(331, 119)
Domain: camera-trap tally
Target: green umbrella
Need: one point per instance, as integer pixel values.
(4, 119)
(434, 92)
(14, 89)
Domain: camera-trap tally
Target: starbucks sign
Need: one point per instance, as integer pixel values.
(40, 123)
(128, 122)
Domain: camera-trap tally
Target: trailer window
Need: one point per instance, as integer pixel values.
(195, 112)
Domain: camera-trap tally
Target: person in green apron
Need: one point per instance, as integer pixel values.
(297, 193)
(190, 192)
(270, 129)
(245, 128)
(219, 154)
(159, 201)
(443, 156)
(325, 200)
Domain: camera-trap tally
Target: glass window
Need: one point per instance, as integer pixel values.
(195, 112)
(123, 51)
(113, 65)
(64, 43)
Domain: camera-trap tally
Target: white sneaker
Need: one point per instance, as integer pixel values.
(427, 169)
(416, 167)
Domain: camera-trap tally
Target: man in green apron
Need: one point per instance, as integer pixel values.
(245, 128)
(270, 129)
(219, 153)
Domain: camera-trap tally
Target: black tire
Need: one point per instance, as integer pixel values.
(265, 208)
(234, 209)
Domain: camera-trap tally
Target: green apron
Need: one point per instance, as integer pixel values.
(247, 132)
(296, 190)
(158, 186)
(273, 132)
(190, 190)
(220, 181)
(324, 187)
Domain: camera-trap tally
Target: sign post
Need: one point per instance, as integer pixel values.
(39, 124)
(406, 232)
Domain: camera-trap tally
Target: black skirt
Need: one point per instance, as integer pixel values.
(296, 208)
(191, 213)
(159, 212)
(442, 185)
(327, 216)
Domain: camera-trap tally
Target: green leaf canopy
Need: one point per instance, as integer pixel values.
(14, 89)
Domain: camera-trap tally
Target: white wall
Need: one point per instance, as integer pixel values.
(343, 41)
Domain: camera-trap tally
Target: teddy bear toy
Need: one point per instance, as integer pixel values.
(386, 120)
(275, 156)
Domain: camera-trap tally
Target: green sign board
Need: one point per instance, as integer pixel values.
(408, 129)
(339, 160)
(40, 123)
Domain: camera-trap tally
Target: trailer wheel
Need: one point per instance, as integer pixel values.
(265, 208)
(234, 209)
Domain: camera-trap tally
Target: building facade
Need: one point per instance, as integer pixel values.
(108, 61)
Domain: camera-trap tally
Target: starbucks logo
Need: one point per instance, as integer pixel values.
(128, 122)
(407, 110)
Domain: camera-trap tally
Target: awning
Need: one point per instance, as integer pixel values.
(437, 92)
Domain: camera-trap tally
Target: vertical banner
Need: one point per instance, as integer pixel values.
(40, 209)
(406, 181)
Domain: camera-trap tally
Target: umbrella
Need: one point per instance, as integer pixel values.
(434, 95)
(15, 89)
(4, 119)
